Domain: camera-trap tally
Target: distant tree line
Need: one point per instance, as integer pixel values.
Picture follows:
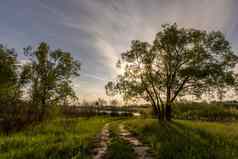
(46, 79)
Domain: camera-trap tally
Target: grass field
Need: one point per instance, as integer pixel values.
(61, 138)
(205, 111)
(188, 139)
(72, 139)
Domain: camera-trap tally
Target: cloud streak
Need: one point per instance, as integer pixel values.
(97, 31)
(94, 76)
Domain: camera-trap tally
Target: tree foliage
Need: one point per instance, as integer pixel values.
(49, 75)
(114, 102)
(10, 89)
(100, 102)
(179, 62)
(8, 74)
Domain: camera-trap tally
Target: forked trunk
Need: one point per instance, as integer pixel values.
(164, 114)
(160, 115)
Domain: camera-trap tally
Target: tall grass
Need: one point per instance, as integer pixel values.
(205, 111)
(60, 138)
(188, 139)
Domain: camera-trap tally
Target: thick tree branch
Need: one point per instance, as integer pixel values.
(179, 89)
(155, 92)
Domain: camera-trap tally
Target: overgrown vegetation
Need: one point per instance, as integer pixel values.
(187, 139)
(57, 139)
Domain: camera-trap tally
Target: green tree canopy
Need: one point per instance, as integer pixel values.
(49, 74)
(179, 62)
(8, 74)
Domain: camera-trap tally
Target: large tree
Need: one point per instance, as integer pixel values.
(179, 62)
(49, 74)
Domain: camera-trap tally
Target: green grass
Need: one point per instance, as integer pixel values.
(188, 139)
(61, 138)
(199, 111)
(72, 139)
(205, 111)
(118, 148)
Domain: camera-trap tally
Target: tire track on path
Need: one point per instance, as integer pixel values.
(140, 149)
(101, 148)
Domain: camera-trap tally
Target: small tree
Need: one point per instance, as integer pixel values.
(179, 62)
(49, 74)
(8, 82)
(12, 109)
(114, 102)
(101, 102)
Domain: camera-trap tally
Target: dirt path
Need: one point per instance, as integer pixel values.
(100, 150)
(101, 147)
(141, 150)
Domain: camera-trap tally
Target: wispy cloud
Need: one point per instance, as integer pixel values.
(102, 29)
(93, 76)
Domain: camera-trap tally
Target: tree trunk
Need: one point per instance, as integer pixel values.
(164, 114)
(168, 112)
(160, 115)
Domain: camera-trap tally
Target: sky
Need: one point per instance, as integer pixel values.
(97, 31)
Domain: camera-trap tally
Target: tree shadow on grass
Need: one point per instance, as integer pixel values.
(176, 140)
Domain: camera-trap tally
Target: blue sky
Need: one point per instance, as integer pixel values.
(97, 31)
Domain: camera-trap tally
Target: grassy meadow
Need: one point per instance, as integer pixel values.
(182, 139)
(73, 138)
(215, 137)
(56, 139)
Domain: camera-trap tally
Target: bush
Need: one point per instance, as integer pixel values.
(14, 116)
(17, 115)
